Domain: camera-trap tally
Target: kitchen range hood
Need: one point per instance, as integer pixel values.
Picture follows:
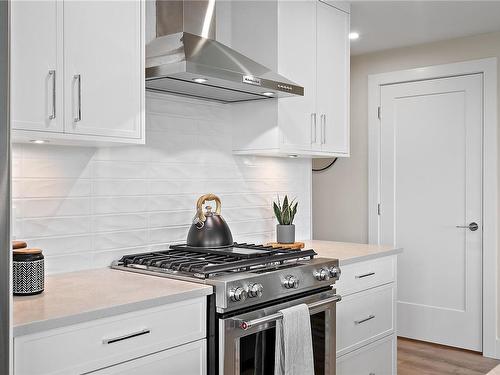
(184, 59)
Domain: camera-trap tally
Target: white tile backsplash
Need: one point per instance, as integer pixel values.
(50, 207)
(46, 188)
(87, 206)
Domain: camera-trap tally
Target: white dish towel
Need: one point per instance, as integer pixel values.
(294, 352)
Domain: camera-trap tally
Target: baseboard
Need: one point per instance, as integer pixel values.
(493, 353)
(497, 351)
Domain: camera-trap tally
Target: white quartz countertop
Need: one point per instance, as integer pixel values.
(347, 252)
(82, 296)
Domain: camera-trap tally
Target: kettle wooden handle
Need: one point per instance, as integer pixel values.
(207, 198)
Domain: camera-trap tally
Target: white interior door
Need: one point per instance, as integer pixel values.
(430, 183)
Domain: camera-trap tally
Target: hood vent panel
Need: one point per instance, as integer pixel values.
(174, 61)
(182, 87)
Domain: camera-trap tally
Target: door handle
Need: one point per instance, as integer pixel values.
(472, 226)
(78, 117)
(323, 129)
(313, 127)
(52, 74)
(247, 324)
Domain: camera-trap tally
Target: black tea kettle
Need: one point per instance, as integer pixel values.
(209, 229)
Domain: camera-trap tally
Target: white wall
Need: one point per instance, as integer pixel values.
(87, 206)
(340, 195)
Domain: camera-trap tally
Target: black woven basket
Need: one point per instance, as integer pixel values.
(28, 274)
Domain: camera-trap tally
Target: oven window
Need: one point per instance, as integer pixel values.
(257, 350)
(257, 353)
(319, 341)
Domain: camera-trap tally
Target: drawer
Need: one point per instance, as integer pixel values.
(364, 275)
(364, 317)
(188, 359)
(378, 358)
(92, 345)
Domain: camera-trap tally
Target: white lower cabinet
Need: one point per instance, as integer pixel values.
(378, 358)
(186, 359)
(366, 324)
(139, 341)
(365, 317)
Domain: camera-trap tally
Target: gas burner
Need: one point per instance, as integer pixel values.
(204, 263)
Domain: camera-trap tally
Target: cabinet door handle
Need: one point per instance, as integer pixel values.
(52, 76)
(78, 79)
(313, 127)
(364, 275)
(126, 337)
(323, 129)
(370, 317)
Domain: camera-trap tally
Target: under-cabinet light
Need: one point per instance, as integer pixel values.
(353, 35)
(38, 141)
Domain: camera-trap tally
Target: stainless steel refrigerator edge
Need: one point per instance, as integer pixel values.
(5, 196)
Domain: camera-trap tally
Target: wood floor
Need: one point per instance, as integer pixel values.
(421, 358)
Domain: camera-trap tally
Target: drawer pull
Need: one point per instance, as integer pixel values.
(364, 320)
(126, 337)
(365, 275)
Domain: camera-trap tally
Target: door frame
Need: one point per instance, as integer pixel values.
(488, 68)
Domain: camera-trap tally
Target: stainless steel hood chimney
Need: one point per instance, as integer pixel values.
(184, 59)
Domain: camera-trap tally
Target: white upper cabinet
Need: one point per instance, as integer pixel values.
(103, 68)
(333, 78)
(96, 61)
(37, 68)
(295, 113)
(307, 42)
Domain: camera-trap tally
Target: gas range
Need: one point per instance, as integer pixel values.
(243, 275)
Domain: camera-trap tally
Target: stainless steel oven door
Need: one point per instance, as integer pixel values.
(247, 341)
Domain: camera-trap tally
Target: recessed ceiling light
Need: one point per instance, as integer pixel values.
(293, 156)
(268, 93)
(200, 80)
(353, 35)
(38, 141)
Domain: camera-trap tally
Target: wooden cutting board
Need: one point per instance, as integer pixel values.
(291, 246)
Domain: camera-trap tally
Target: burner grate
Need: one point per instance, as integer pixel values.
(204, 262)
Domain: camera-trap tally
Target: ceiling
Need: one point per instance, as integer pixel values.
(391, 24)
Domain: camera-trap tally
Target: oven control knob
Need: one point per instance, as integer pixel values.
(255, 290)
(322, 275)
(291, 282)
(238, 294)
(335, 272)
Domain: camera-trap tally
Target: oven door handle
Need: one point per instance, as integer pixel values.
(247, 324)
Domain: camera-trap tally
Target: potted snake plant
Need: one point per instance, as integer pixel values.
(285, 213)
